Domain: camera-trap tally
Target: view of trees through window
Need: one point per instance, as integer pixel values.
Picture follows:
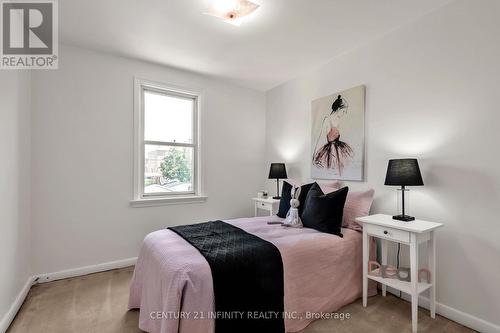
(175, 166)
(168, 143)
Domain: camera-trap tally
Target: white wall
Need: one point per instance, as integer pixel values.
(433, 92)
(83, 152)
(15, 261)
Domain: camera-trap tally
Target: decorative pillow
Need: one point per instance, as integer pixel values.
(324, 212)
(286, 196)
(357, 204)
(330, 187)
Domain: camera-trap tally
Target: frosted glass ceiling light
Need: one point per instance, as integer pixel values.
(232, 11)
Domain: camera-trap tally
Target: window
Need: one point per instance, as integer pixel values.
(166, 149)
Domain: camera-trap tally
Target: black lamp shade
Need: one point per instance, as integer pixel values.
(277, 171)
(403, 172)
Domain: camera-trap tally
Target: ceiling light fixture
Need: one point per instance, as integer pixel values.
(232, 11)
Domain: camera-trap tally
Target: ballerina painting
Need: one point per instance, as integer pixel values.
(338, 135)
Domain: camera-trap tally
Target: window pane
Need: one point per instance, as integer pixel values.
(168, 169)
(168, 118)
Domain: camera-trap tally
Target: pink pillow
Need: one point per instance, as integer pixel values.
(330, 187)
(325, 187)
(294, 182)
(357, 204)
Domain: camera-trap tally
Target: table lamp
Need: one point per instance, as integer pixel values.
(403, 172)
(277, 171)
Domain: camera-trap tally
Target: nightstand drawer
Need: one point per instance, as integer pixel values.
(388, 233)
(264, 205)
(270, 205)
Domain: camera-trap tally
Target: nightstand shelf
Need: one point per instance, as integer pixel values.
(404, 286)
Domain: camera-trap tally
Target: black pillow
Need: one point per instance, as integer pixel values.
(286, 196)
(324, 212)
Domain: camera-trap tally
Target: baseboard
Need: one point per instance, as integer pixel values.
(458, 316)
(14, 308)
(73, 272)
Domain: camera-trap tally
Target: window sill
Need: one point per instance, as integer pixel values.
(150, 202)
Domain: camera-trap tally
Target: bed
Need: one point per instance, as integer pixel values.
(172, 282)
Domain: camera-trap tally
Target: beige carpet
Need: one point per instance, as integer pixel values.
(98, 303)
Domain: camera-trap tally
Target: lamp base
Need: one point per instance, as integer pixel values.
(276, 197)
(404, 218)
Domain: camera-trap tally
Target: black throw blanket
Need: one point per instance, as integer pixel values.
(247, 274)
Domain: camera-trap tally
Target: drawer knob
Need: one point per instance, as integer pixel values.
(386, 232)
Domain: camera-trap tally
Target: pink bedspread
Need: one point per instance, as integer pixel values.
(172, 282)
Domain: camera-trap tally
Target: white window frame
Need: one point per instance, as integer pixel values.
(140, 198)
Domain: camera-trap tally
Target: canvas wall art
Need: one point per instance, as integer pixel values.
(338, 135)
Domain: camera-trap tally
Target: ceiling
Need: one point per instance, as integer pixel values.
(280, 41)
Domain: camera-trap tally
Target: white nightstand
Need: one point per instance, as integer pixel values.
(409, 233)
(271, 205)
